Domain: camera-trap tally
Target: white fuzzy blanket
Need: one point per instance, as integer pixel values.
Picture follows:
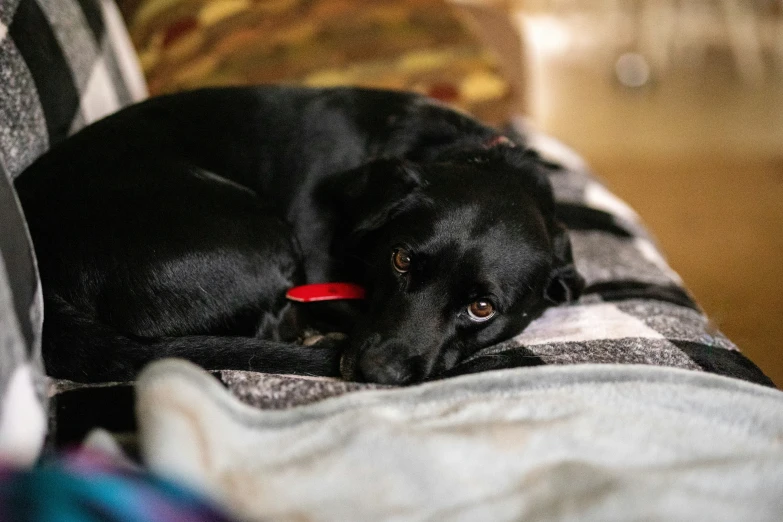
(584, 442)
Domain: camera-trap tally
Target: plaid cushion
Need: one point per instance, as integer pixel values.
(63, 64)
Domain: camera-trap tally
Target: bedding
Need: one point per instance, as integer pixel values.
(577, 442)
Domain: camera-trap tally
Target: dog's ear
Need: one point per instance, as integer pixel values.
(565, 284)
(367, 197)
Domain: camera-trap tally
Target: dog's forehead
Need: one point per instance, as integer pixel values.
(478, 239)
(505, 219)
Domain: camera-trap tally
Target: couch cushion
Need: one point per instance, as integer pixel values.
(64, 63)
(22, 416)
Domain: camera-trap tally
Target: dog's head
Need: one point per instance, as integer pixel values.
(455, 255)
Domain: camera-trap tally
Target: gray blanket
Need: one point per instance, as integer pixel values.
(582, 442)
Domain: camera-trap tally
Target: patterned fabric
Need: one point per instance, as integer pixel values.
(279, 392)
(419, 45)
(63, 64)
(89, 486)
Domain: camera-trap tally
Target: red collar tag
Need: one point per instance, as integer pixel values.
(325, 292)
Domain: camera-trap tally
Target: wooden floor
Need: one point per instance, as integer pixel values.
(700, 156)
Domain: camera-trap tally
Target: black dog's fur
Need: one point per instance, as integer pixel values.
(175, 227)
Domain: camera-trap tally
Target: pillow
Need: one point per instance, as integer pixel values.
(419, 45)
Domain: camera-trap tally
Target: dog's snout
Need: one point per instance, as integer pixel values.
(391, 366)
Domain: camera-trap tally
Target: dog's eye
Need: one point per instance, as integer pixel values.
(401, 260)
(481, 310)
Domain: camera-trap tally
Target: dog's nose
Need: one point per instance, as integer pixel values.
(390, 370)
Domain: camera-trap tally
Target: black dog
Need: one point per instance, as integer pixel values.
(176, 226)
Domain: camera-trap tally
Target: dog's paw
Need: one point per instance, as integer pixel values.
(329, 340)
(329, 349)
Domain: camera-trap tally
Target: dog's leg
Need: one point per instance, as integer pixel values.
(83, 349)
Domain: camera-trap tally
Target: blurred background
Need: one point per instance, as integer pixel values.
(676, 104)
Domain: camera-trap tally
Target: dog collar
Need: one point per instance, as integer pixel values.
(325, 292)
